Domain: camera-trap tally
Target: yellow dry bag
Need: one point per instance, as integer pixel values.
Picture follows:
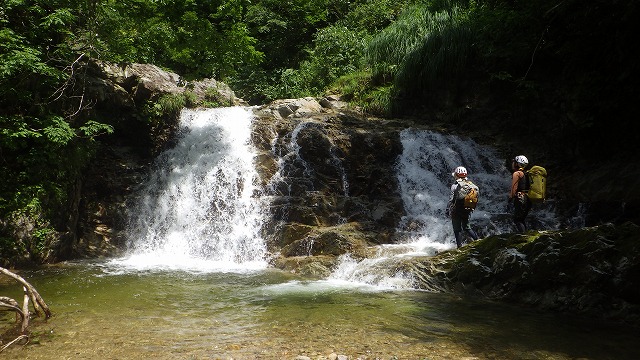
(537, 184)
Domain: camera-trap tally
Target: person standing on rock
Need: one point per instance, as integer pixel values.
(462, 202)
(518, 193)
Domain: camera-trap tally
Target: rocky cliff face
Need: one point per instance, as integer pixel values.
(335, 194)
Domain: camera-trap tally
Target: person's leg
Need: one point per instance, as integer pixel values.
(519, 214)
(457, 229)
(467, 227)
(527, 208)
(472, 234)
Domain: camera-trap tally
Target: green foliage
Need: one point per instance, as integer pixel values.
(196, 40)
(373, 15)
(283, 29)
(389, 48)
(422, 50)
(443, 56)
(353, 85)
(59, 133)
(45, 139)
(213, 98)
(285, 33)
(167, 105)
(91, 129)
(361, 90)
(379, 101)
(336, 51)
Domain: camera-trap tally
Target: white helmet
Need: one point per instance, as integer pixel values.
(459, 172)
(521, 160)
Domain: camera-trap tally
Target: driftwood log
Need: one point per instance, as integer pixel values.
(22, 312)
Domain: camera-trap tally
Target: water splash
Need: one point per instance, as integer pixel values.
(199, 209)
(290, 164)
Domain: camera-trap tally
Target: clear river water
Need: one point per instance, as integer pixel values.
(102, 310)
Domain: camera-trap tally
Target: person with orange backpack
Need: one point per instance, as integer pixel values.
(462, 202)
(518, 195)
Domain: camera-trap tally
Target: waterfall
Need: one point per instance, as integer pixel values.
(198, 209)
(290, 164)
(424, 175)
(294, 171)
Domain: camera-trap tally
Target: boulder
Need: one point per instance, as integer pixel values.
(592, 271)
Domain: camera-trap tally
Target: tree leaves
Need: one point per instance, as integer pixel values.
(59, 133)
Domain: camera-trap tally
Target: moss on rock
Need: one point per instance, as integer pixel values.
(592, 271)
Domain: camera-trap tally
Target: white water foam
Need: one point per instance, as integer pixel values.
(291, 164)
(199, 209)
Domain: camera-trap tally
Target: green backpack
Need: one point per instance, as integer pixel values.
(537, 178)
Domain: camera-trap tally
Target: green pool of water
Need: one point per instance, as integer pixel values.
(104, 313)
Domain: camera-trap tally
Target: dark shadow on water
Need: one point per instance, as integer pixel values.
(492, 330)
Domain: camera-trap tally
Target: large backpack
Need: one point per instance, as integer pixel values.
(537, 179)
(467, 195)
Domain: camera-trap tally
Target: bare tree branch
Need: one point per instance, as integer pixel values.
(38, 303)
(22, 314)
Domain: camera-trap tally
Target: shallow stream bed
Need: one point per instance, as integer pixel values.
(101, 311)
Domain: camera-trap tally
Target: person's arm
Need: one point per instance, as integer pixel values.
(517, 175)
(451, 197)
(453, 191)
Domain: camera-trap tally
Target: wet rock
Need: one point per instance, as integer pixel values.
(592, 271)
(334, 168)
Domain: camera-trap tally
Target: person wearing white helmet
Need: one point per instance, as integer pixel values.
(456, 210)
(518, 192)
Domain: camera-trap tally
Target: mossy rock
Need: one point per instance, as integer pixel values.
(593, 271)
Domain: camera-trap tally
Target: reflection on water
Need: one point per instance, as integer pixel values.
(106, 313)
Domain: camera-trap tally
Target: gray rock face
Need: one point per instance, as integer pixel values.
(338, 192)
(143, 82)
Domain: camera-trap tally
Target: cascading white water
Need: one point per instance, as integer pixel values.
(292, 165)
(424, 175)
(199, 209)
(289, 161)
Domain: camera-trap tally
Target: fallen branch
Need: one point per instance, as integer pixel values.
(14, 341)
(22, 313)
(38, 303)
